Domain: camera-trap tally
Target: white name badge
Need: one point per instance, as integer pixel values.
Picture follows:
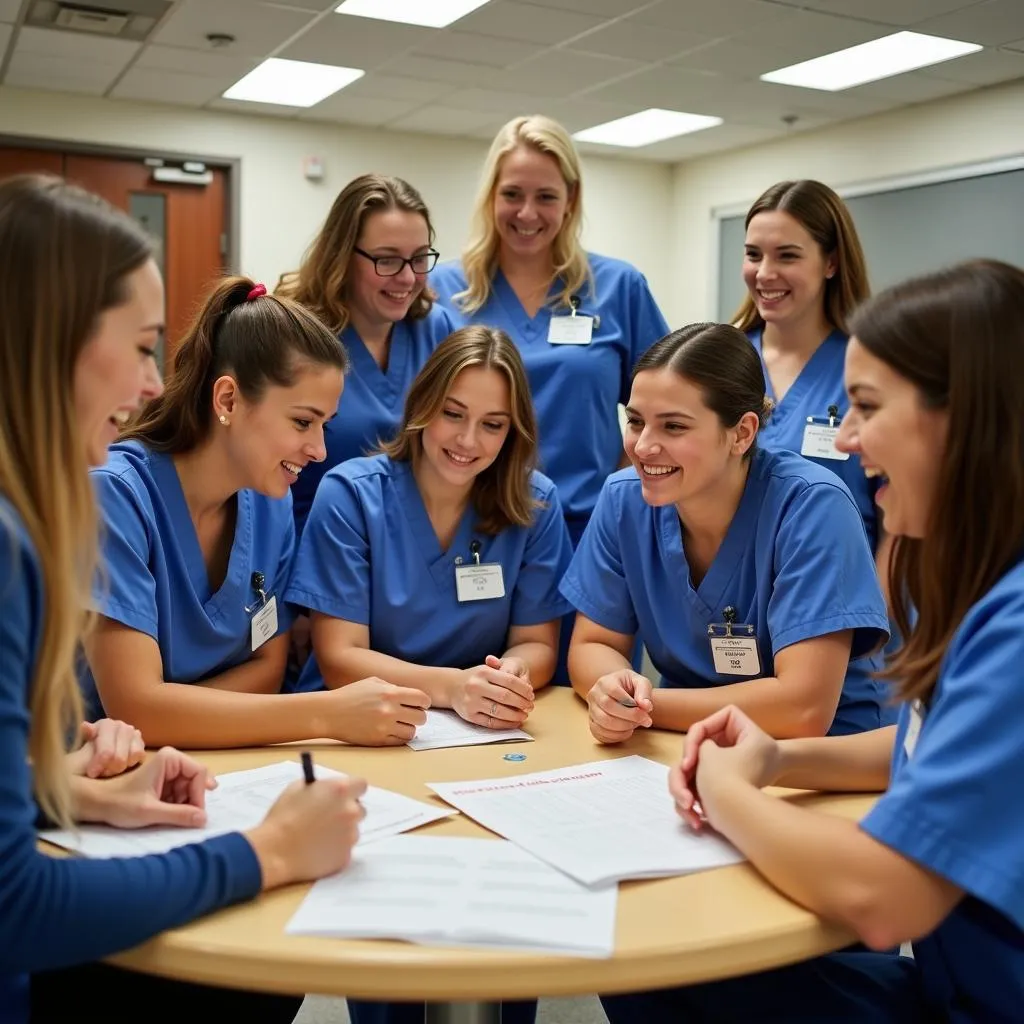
(913, 728)
(570, 330)
(481, 582)
(820, 443)
(736, 655)
(264, 623)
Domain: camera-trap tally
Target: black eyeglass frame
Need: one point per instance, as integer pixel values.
(376, 261)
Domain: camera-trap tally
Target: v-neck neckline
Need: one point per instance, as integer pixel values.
(368, 368)
(803, 381)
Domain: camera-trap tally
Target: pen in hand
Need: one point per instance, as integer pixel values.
(628, 702)
(307, 767)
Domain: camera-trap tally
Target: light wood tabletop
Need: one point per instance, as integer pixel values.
(670, 931)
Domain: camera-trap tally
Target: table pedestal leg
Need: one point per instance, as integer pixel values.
(463, 1013)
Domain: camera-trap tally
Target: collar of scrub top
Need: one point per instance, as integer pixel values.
(257, 581)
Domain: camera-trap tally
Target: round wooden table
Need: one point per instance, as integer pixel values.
(671, 931)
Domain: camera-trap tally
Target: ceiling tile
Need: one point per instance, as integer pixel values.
(490, 101)
(32, 71)
(563, 72)
(745, 61)
(508, 19)
(444, 120)
(5, 35)
(575, 114)
(379, 86)
(991, 23)
(258, 29)
(984, 68)
(358, 110)
(1018, 45)
(75, 46)
(913, 87)
(475, 49)
(355, 42)
(215, 64)
(691, 91)
(245, 107)
(9, 10)
(601, 8)
(717, 18)
(164, 86)
(637, 41)
(801, 35)
(434, 70)
(887, 12)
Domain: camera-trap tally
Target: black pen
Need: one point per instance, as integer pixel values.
(307, 767)
(628, 702)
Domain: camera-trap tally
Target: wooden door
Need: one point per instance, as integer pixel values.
(30, 161)
(189, 223)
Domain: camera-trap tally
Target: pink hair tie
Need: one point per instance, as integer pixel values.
(260, 289)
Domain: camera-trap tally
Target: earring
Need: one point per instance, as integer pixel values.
(223, 419)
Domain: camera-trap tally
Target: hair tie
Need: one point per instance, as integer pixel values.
(260, 289)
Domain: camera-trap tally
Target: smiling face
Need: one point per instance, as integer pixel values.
(897, 438)
(679, 447)
(785, 270)
(378, 301)
(531, 202)
(116, 370)
(271, 440)
(469, 432)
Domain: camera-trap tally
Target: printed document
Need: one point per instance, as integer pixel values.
(437, 890)
(598, 822)
(241, 801)
(445, 728)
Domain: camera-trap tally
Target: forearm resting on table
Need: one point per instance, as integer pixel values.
(782, 711)
(589, 661)
(344, 665)
(262, 673)
(857, 764)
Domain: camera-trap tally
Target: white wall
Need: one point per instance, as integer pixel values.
(625, 201)
(978, 126)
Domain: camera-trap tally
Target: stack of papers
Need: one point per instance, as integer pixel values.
(240, 802)
(447, 729)
(449, 891)
(599, 822)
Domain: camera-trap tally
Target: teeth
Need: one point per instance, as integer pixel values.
(659, 470)
(122, 417)
(871, 473)
(462, 460)
(771, 296)
(397, 296)
(527, 234)
(292, 467)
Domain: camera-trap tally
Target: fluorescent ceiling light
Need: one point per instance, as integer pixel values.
(292, 83)
(646, 127)
(431, 13)
(881, 58)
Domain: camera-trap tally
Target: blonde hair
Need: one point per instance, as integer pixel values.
(501, 495)
(64, 258)
(827, 220)
(480, 257)
(320, 282)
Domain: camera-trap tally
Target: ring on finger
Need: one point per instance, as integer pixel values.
(494, 710)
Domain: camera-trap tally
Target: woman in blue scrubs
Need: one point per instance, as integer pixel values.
(365, 276)
(436, 563)
(580, 320)
(81, 310)
(745, 573)
(199, 539)
(935, 374)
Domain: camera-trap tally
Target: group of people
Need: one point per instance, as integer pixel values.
(298, 538)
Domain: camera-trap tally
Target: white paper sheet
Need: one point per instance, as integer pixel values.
(598, 822)
(437, 890)
(240, 802)
(445, 728)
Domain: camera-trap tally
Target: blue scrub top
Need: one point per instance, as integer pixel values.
(370, 555)
(819, 385)
(576, 388)
(795, 564)
(153, 576)
(954, 806)
(372, 403)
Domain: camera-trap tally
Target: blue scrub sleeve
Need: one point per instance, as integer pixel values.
(58, 912)
(332, 573)
(595, 582)
(536, 598)
(285, 570)
(646, 326)
(955, 806)
(825, 577)
(125, 589)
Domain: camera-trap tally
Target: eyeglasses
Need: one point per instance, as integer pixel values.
(391, 266)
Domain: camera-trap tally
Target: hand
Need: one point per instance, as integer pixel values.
(619, 703)
(494, 696)
(373, 713)
(310, 831)
(108, 747)
(301, 644)
(724, 745)
(169, 789)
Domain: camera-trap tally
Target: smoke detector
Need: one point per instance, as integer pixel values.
(133, 20)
